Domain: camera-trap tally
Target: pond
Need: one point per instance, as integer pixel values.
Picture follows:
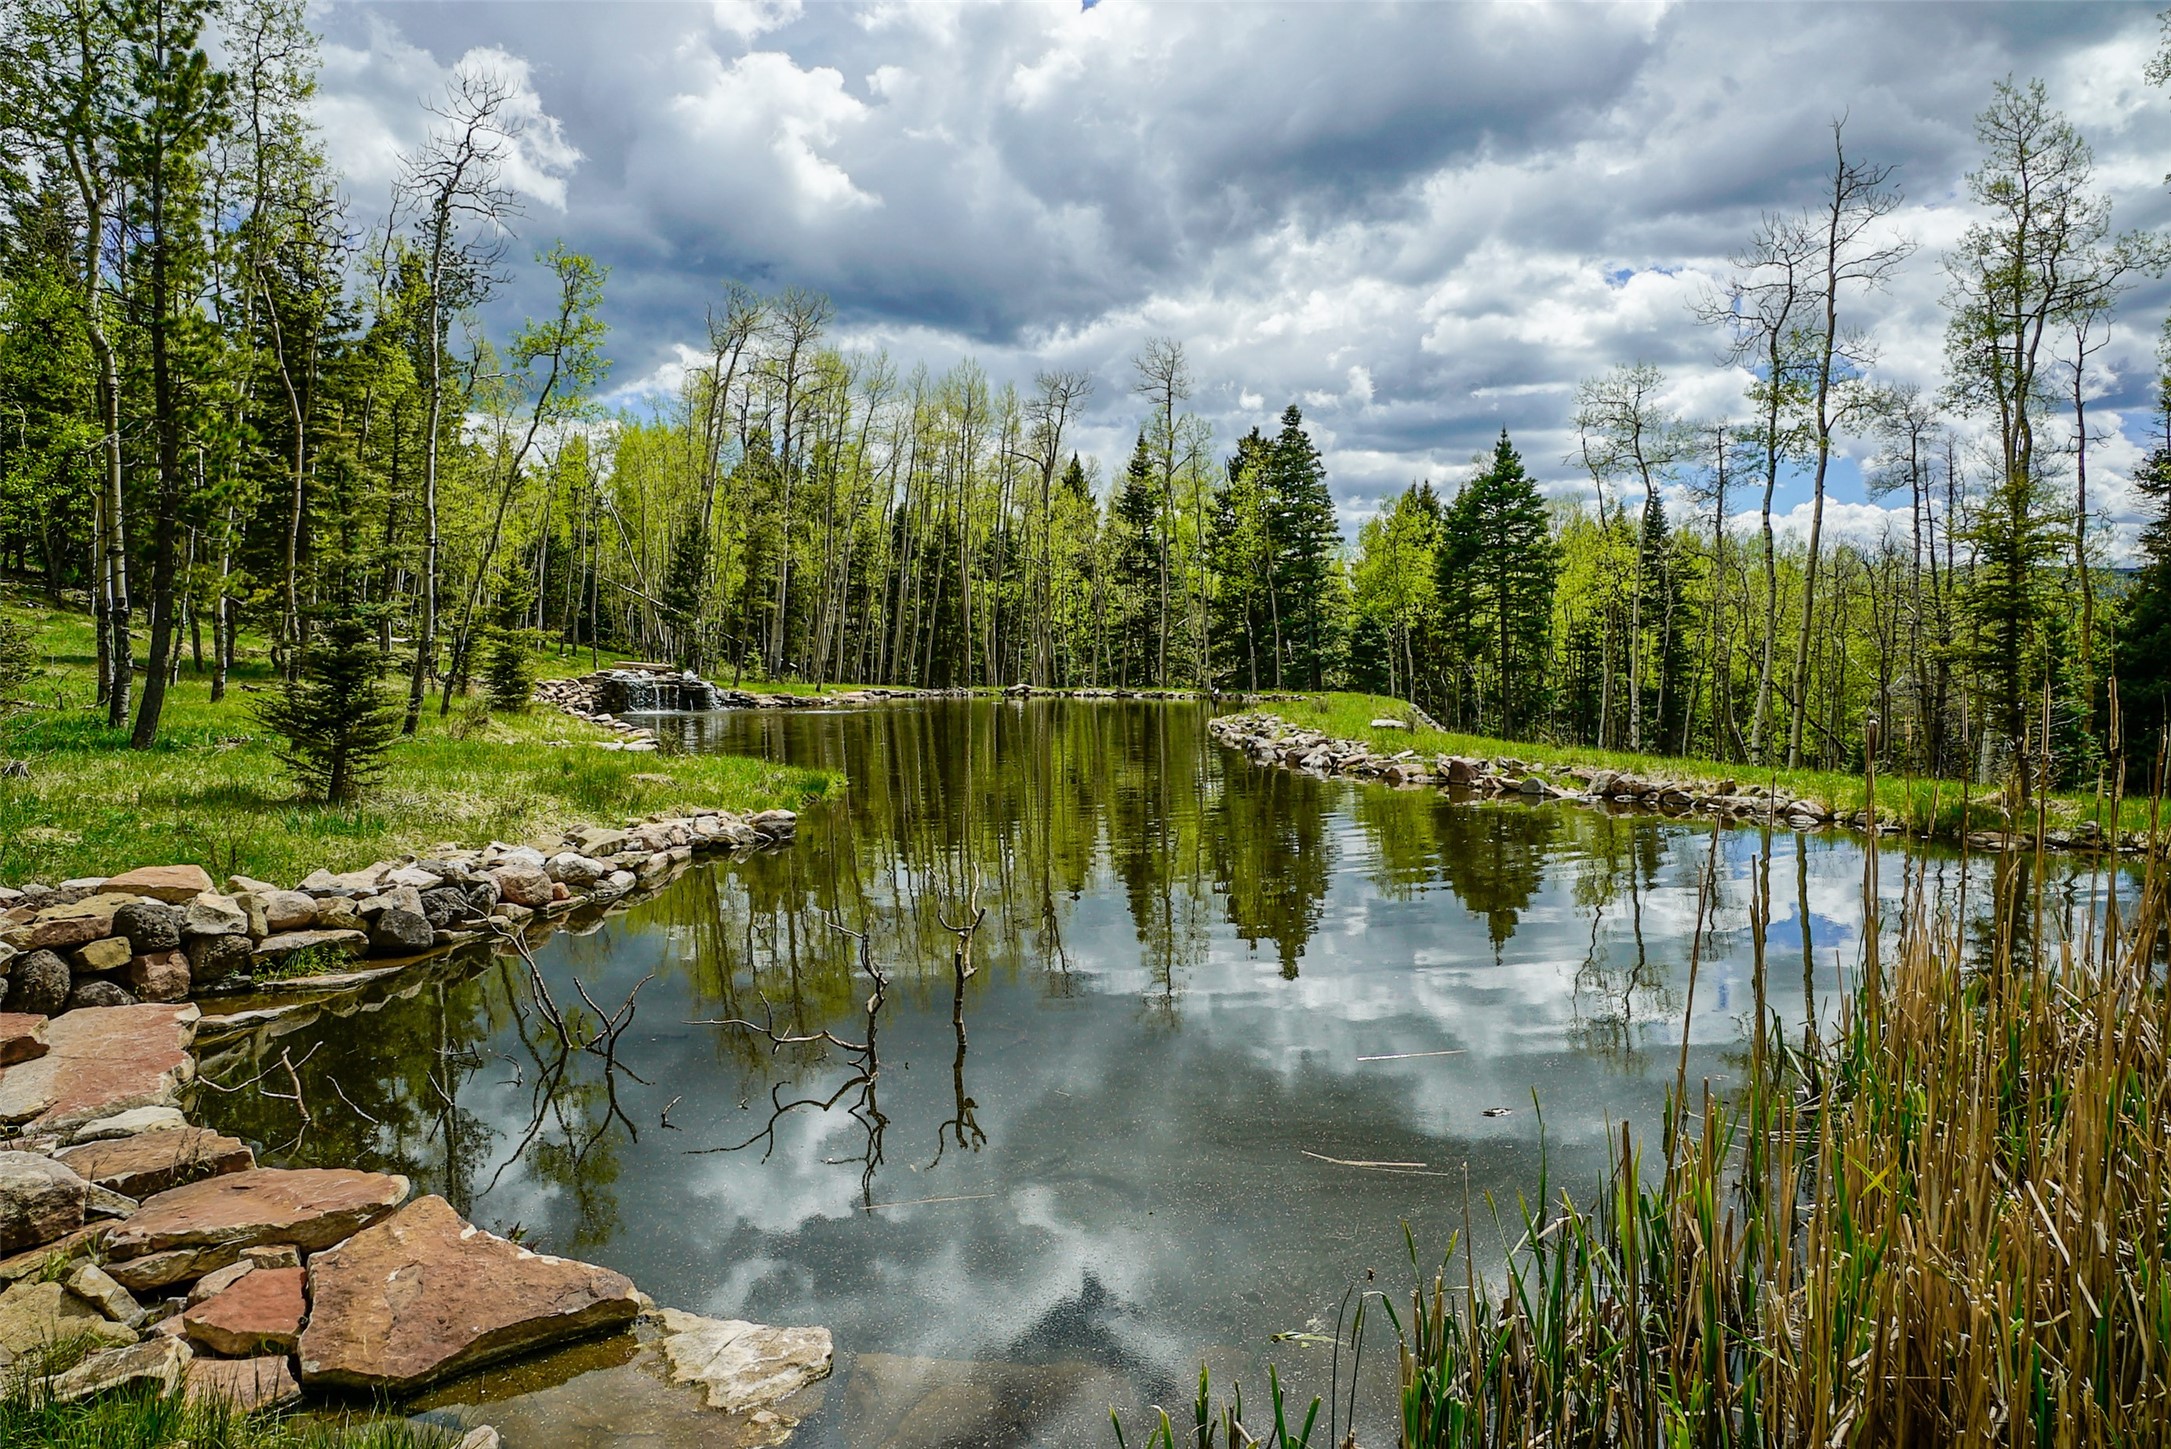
(1228, 1030)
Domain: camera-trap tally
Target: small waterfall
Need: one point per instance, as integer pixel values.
(641, 691)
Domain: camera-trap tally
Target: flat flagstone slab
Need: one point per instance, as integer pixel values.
(152, 1162)
(99, 1061)
(185, 1232)
(743, 1366)
(170, 883)
(248, 1385)
(260, 1314)
(35, 1314)
(156, 1365)
(22, 1037)
(424, 1296)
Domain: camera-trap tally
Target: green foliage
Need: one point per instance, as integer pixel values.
(335, 717)
(1497, 564)
(509, 666)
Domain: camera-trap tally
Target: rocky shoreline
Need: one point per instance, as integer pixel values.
(189, 1268)
(192, 1269)
(1271, 740)
(600, 697)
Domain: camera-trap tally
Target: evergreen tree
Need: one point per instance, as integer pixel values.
(1496, 568)
(509, 670)
(1666, 624)
(2016, 537)
(1135, 523)
(1244, 619)
(335, 718)
(1306, 542)
(2144, 641)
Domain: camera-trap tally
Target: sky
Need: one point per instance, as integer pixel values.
(1422, 223)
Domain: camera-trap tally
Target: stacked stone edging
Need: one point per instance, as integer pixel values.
(590, 697)
(1271, 740)
(168, 934)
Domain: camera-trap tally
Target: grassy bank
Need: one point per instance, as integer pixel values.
(1940, 808)
(212, 792)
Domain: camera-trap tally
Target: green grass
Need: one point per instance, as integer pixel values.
(143, 1419)
(212, 792)
(1936, 808)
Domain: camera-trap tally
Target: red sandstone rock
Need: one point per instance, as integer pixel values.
(99, 1061)
(186, 1232)
(423, 1296)
(22, 1037)
(259, 1314)
(247, 1384)
(152, 1162)
(169, 883)
(159, 976)
(523, 885)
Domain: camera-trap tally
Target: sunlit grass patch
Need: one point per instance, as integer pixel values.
(213, 793)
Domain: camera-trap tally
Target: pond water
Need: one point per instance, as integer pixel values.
(1205, 995)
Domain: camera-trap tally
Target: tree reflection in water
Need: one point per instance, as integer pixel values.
(1092, 855)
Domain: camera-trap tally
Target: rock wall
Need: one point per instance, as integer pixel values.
(168, 933)
(1271, 740)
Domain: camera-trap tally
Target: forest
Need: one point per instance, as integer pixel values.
(236, 401)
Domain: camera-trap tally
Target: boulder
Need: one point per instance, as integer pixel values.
(597, 842)
(287, 910)
(260, 1314)
(337, 913)
(153, 1366)
(130, 1123)
(445, 905)
(90, 1283)
(148, 926)
(40, 1200)
(159, 976)
(22, 1037)
(152, 1162)
(99, 1062)
(397, 898)
(423, 1295)
(212, 914)
(211, 959)
(185, 1232)
(401, 933)
(743, 1366)
(172, 883)
(577, 871)
(244, 1385)
(523, 885)
(98, 993)
(34, 1314)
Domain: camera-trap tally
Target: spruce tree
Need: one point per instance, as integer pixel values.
(1243, 620)
(1306, 542)
(1497, 565)
(509, 671)
(335, 718)
(2144, 641)
(1136, 524)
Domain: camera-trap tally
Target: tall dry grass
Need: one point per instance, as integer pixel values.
(1941, 1221)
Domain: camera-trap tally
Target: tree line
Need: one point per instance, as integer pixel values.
(229, 401)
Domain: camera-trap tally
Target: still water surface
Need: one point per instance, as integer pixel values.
(1203, 991)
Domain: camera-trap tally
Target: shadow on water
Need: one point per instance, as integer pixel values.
(1219, 1033)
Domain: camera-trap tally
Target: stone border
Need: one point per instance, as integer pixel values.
(168, 934)
(1268, 739)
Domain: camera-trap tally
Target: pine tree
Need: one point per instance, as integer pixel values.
(2144, 642)
(1497, 566)
(335, 718)
(509, 670)
(1306, 542)
(1135, 522)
